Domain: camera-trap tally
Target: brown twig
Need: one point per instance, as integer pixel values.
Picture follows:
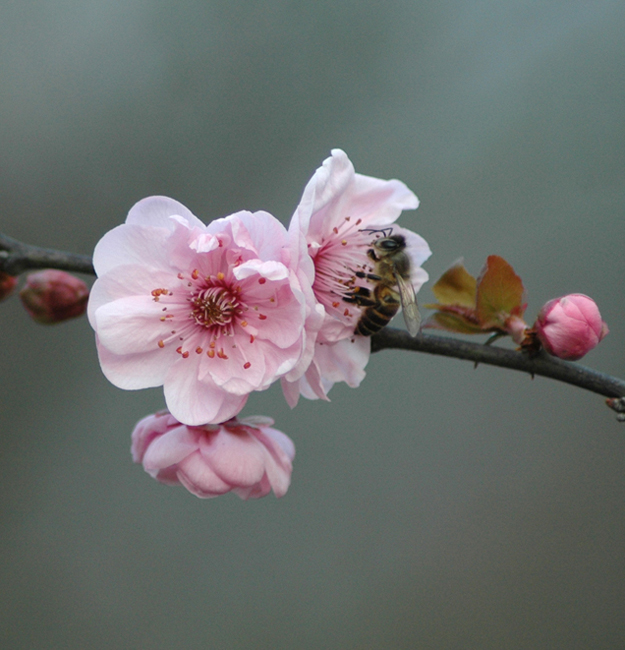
(17, 257)
(539, 364)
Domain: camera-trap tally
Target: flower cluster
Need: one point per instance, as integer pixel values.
(214, 312)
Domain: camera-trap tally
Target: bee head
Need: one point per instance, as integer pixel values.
(391, 244)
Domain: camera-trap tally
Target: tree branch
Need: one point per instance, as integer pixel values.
(541, 364)
(17, 257)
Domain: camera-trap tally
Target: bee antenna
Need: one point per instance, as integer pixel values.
(385, 231)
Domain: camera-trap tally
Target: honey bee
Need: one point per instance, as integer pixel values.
(392, 287)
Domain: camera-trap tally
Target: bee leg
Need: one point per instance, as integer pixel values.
(360, 296)
(369, 276)
(361, 302)
(360, 292)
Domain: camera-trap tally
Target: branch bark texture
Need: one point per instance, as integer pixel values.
(541, 364)
(17, 257)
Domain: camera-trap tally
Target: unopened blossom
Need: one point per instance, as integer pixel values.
(571, 326)
(340, 214)
(209, 312)
(53, 296)
(7, 284)
(246, 456)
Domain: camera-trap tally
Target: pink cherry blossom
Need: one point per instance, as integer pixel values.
(246, 456)
(338, 215)
(209, 312)
(570, 326)
(54, 296)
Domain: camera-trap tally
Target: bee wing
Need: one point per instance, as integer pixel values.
(409, 305)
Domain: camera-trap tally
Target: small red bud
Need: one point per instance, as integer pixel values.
(570, 326)
(53, 296)
(7, 284)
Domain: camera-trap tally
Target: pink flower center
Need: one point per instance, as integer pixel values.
(214, 306)
(203, 310)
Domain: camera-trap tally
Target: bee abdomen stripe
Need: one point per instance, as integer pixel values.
(364, 330)
(382, 313)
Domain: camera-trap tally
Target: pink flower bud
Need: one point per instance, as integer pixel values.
(570, 326)
(7, 284)
(53, 296)
(244, 456)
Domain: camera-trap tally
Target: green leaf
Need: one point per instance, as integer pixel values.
(500, 293)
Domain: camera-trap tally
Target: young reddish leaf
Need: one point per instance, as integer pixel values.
(456, 287)
(499, 293)
(452, 322)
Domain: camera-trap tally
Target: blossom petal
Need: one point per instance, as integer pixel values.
(280, 440)
(379, 200)
(131, 325)
(136, 371)
(149, 428)
(243, 370)
(261, 232)
(281, 321)
(269, 270)
(257, 491)
(311, 385)
(344, 360)
(170, 448)
(156, 212)
(416, 247)
(131, 245)
(329, 181)
(124, 281)
(199, 477)
(237, 458)
(194, 402)
(281, 452)
(204, 242)
(336, 192)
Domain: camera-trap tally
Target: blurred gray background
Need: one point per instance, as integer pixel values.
(437, 506)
